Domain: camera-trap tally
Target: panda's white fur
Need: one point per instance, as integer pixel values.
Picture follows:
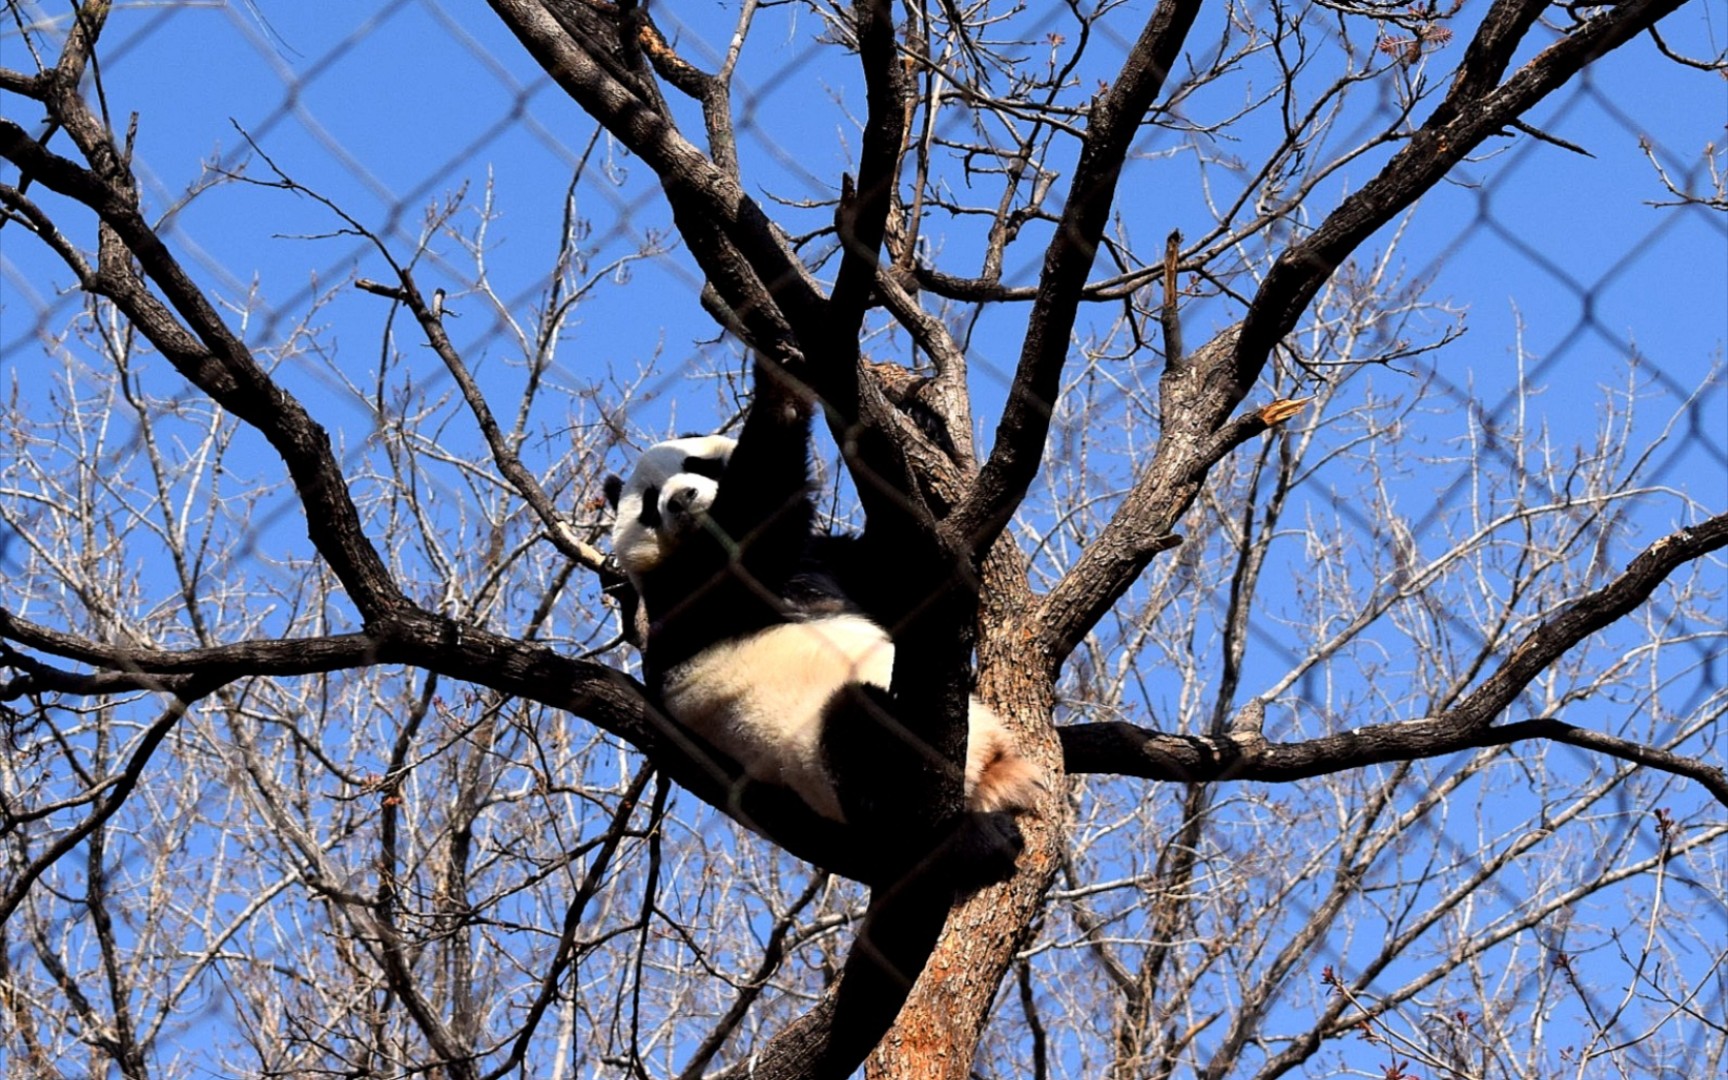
(763, 697)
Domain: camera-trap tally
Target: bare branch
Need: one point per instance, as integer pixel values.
(738, 248)
(1475, 108)
(1129, 750)
(119, 790)
(603, 695)
(503, 453)
(208, 353)
(591, 882)
(1025, 420)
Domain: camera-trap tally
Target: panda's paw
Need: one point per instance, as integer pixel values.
(986, 845)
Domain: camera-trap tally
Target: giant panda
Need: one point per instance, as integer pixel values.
(755, 639)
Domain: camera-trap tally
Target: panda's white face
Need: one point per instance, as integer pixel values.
(672, 486)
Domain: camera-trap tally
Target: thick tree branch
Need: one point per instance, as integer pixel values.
(863, 213)
(763, 289)
(714, 92)
(1025, 422)
(1197, 392)
(221, 664)
(1712, 777)
(738, 248)
(616, 703)
(901, 928)
(935, 646)
(1544, 645)
(213, 358)
(1122, 749)
(1125, 749)
(604, 696)
(1194, 397)
(1488, 55)
(952, 405)
(857, 413)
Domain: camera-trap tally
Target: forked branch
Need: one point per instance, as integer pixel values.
(1025, 422)
(1475, 108)
(1125, 749)
(207, 352)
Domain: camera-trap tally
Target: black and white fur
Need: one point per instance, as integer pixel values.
(755, 641)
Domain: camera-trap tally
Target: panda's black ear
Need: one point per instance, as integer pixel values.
(614, 487)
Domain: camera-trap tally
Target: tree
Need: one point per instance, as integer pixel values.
(343, 793)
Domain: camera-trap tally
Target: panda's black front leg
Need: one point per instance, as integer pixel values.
(759, 523)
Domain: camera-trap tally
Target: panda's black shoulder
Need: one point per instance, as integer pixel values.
(863, 573)
(842, 554)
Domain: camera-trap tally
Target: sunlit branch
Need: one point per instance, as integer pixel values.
(1126, 749)
(208, 354)
(119, 789)
(739, 249)
(1474, 109)
(1025, 421)
(598, 867)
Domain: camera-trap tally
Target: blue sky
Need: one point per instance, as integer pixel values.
(390, 107)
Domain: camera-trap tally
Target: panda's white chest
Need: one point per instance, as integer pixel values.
(761, 698)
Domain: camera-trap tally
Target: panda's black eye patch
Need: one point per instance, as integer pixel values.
(650, 515)
(705, 466)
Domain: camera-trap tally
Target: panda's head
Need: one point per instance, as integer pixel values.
(672, 486)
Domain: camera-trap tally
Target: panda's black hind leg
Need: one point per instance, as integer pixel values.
(918, 867)
(875, 762)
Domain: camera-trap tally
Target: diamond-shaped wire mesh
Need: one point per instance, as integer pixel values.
(1587, 300)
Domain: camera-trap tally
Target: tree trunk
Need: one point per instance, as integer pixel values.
(938, 1030)
(939, 1027)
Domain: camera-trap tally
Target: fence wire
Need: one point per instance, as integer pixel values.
(1584, 262)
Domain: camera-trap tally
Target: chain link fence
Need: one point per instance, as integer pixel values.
(1560, 321)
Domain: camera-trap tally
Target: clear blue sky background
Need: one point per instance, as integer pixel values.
(389, 107)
